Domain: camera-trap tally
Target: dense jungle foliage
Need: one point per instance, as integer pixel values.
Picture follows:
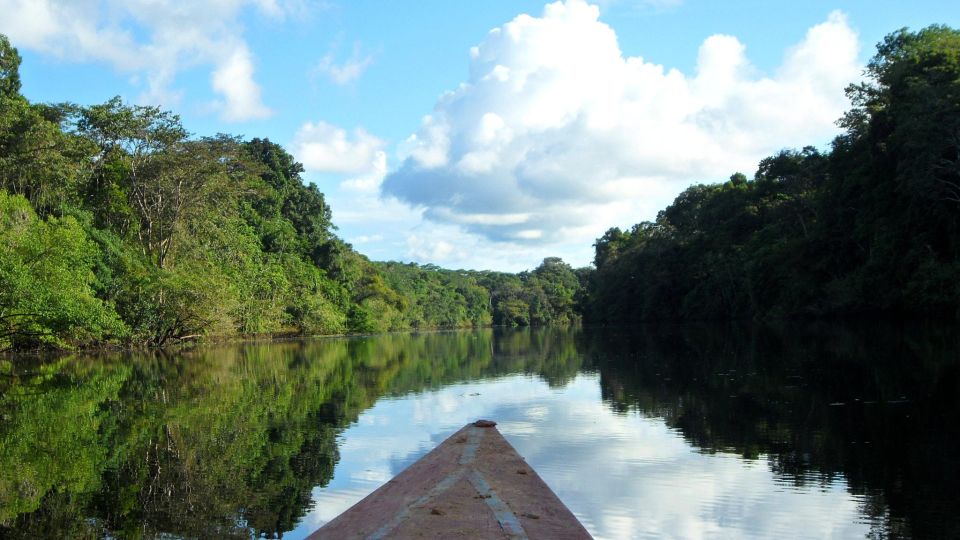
(870, 227)
(117, 225)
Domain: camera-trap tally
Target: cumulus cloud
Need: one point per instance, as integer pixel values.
(556, 135)
(323, 147)
(234, 80)
(153, 40)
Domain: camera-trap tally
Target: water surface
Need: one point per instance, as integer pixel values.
(825, 431)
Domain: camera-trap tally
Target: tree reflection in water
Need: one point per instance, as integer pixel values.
(875, 403)
(230, 441)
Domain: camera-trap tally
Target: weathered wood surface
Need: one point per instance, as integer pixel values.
(473, 485)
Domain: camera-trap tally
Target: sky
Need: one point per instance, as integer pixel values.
(487, 134)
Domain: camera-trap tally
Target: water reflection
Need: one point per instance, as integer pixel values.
(875, 405)
(684, 432)
(624, 476)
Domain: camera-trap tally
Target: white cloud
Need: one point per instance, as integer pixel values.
(364, 239)
(234, 80)
(369, 181)
(389, 229)
(431, 249)
(323, 147)
(556, 125)
(347, 71)
(153, 40)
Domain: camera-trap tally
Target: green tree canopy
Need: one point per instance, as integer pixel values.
(9, 69)
(45, 281)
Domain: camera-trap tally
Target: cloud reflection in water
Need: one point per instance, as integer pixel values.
(623, 475)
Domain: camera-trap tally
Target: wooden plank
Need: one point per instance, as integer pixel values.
(473, 485)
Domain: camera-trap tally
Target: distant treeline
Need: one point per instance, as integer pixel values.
(870, 227)
(118, 226)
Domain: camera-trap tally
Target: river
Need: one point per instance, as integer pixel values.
(695, 431)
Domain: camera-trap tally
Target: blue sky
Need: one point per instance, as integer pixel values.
(566, 119)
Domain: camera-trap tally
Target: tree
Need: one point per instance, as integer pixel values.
(559, 285)
(37, 159)
(143, 153)
(46, 297)
(190, 181)
(9, 69)
(299, 204)
(608, 246)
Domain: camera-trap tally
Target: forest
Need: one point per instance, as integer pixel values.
(119, 227)
(870, 227)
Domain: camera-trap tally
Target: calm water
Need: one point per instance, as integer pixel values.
(661, 432)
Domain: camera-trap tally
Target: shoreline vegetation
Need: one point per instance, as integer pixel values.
(870, 227)
(119, 228)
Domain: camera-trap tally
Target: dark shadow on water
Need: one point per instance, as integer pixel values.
(874, 403)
